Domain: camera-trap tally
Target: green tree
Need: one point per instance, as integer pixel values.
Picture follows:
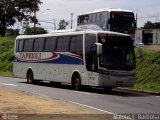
(12, 10)
(149, 25)
(12, 32)
(157, 25)
(63, 24)
(38, 30)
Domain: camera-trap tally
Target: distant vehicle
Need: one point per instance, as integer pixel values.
(78, 57)
(117, 20)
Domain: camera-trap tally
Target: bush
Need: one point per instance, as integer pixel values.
(6, 54)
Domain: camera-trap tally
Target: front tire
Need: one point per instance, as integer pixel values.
(76, 82)
(30, 77)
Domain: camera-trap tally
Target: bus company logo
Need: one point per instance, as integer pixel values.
(4, 116)
(30, 56)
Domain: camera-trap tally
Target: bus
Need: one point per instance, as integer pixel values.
(117, 20)
(76, 57)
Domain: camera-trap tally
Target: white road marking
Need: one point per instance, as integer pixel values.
(92, 107)
(44, 95)
(6, 84)
(81, 105)
(82, 92)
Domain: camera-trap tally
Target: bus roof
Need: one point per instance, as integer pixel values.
(107, 9)
(69, 32)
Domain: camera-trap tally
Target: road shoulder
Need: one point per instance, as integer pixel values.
(30, 106)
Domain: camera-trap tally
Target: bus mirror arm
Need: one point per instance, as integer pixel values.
(99, 48)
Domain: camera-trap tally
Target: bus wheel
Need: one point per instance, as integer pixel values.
(30, 77)
(108, 89)
(76, 82)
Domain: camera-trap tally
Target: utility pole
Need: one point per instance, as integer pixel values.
(136, 20)
(34, 18)
(34, 21)
(71, 20)
(54, 22)
(140, 48)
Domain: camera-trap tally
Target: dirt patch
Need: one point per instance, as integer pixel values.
(31, 107)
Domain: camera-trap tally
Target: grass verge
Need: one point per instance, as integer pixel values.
(148, 70)
(6, 56)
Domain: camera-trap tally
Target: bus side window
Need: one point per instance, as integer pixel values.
(50, 44)
(28, 45)
(65, 45)
(73, 44)
(90, 18)
(76, 44)
(98, 17)
(20, 46)
(102, 16)
(59, 44)
(86, 18)
(93, 17)
(47, 45)
(39, 44)
(17, 45)
(81, 19)
(79, 45)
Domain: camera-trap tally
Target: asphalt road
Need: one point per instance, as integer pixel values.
(117, 102)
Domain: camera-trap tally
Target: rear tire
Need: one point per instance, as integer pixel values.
(30, 77)
(76, 82)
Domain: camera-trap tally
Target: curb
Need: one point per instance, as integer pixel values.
(138, 91)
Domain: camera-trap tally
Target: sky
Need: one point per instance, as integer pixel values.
(62, 9)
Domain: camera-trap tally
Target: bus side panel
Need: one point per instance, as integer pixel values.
(66, 70)
(93, 78)
(48, 72)
(39, 71)
(18, 70)
(57, 72)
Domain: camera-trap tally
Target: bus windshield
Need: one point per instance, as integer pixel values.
(117, 52)
(123, 22)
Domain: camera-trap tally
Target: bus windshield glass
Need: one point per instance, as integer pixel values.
(123, 22)
(117, 52)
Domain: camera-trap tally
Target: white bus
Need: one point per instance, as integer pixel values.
(77, 57)
(117, 20)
